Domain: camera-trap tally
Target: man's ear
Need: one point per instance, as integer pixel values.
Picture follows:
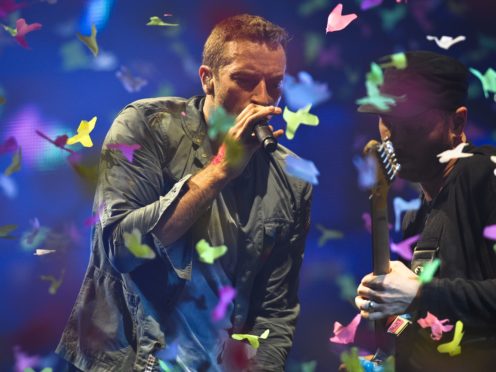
(207, 79)
(459, 120)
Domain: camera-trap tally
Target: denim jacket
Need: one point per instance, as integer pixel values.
(117, 323)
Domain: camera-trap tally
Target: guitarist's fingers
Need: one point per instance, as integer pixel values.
(373, 281)
(369, 294)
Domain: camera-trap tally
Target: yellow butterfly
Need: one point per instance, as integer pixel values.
(83, 136)
(453, 347)
(90, 41)
(209, 254)
(252, 339)
(133, 242)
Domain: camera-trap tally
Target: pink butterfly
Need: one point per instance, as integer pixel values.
(226, 294)
(437, 326)
(127, 150)
(23, 29)
(345, 334)
(336, 21)
(10, 145)
(403, 248)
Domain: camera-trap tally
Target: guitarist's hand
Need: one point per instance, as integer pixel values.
(391, 294)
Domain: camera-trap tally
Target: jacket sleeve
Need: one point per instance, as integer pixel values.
(132, 194)
(280, 306)
(469, 300)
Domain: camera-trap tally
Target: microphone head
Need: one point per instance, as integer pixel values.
(265, 136)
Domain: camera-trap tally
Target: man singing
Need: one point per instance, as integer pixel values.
(458, 201)
(182, 187)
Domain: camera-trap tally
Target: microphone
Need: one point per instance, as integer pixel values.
(265, 136)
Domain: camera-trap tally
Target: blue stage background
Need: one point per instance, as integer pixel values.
(57, 83)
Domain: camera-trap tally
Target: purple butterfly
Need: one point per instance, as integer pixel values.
(403, 248)
(127, 150)
(226, 294)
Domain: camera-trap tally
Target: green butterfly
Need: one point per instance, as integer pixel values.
(133, 242)
(252, 339)
(294, 119)
(209, 254)
(156, 21)
(429, 270)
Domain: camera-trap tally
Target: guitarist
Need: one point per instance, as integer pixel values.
(458, 202)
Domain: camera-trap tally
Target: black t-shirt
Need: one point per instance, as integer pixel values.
(464, 288)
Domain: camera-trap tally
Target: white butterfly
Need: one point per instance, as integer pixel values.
(446, 42)
(455, 153)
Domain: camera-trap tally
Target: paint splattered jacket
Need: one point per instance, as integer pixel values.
(464, 287)
(117, 321)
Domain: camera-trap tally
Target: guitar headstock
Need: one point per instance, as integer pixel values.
(387, 167)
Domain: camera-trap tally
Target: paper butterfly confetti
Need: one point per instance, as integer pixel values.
(54, 282)
(131, 83)
(398, 60)
(376, 75)
(327, 234)
(351, 361)
(304, 91)
(446, 42)
(401, 205)
(488, 81)
(90, 41)
(453, 347)
(226, 295)
(8, 186)
(24, 361)
(369, 4)
(15, 165)
(437, 326)
(156, 21)
(90, 221)
(5, 231)
(345, 334)
(219, 122)
(126, 150)
(83, 136)
(43, 252)
(209, 254)
(456, 153)
(302, 169)
(390, 17)
(252, 339)
(489, 232)
(133, 242)
(294, 119)
(367, 171)
(22, 29)
(403, 248)
(336, 21)
(429, 270)
(347, 286)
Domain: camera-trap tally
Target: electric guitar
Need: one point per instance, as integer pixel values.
(386, 170)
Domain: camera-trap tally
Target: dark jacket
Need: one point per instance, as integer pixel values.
(118, 319)
(464, 287)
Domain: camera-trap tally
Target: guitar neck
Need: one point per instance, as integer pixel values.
(380, 237)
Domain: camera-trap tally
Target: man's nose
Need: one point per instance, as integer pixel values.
(260, 95)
